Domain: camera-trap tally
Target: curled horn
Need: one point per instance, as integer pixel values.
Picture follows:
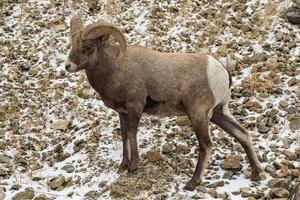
(98, 29)
(76, 27)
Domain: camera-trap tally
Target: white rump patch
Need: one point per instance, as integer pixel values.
(218, 80)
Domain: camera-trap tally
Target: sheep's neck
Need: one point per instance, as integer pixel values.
(100, 75)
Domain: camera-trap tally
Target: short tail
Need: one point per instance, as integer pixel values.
(230, 78)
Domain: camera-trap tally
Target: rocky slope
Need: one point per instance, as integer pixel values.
(59, 141)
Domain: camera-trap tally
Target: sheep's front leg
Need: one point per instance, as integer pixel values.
(134, 116)
(126, 146)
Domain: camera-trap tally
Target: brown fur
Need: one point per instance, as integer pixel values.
(165, 84)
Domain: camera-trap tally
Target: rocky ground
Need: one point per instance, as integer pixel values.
(58, 140)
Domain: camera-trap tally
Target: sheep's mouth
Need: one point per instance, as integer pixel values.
(71, 67)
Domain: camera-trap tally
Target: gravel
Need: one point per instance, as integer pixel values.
(58, 140)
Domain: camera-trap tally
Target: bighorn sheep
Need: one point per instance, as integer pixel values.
(134, 79)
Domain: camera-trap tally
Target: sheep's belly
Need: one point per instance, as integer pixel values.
(164, 109)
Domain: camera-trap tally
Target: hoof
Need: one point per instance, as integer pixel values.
(123, 167)
(132, 171)
(190, 186)
(258, 176)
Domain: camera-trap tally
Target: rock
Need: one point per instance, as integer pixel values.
(262, 127)
(283, 103)
(2, 193)
(70, 194)
(129, 1)
(213, 193)
(16, 187)
(247, 173)
(167, 148)
(201, 189)
(181, 148)
(289, 154)
(216, 184)
(272, 63)
(78, 145)
(279, 193)
(85, 92)
(270, 9)
(102, 184)
(182, 121)
(27, 194)
(60, 125)
(231, 64)
(68, 168)
(5, 159)
(270, 168)
(41, 197)
(287, 142)
(293, 17)
(91, 194)
(297, 193)
(33, 71)
(222, 50)
(228, 175)
(57, 182)
(258, 57)
(294, 124)
(153, 156)
(245, 192)
(297, 151)
(279, 35)
(278, 183)
(232, 162)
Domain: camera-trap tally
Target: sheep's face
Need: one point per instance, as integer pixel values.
(82, 56)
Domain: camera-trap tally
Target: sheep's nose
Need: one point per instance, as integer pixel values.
(67, 66)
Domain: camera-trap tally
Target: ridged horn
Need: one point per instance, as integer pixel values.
(98, 29)
(76, 26)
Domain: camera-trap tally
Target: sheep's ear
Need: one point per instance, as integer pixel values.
(103, 38)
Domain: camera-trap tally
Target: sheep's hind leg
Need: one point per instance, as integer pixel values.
(126, 148)
(200, 122)
(226, 121)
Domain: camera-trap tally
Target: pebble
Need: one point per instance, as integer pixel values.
(279, 193)
(290, 155)
(28, 193)
(294, 124)
(153, 156)
(278, 183)
(68, 168)
(41, 197)
(228, 174)
(283, 103)
(60, 125)
(2, 193)
(57, 182)
(182, 121)
(167, 148)
(232, 162)
(245, 192)
(216, 184)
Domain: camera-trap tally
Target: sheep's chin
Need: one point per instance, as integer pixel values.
(73, 68)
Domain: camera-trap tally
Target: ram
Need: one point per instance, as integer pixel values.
(133, 80)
